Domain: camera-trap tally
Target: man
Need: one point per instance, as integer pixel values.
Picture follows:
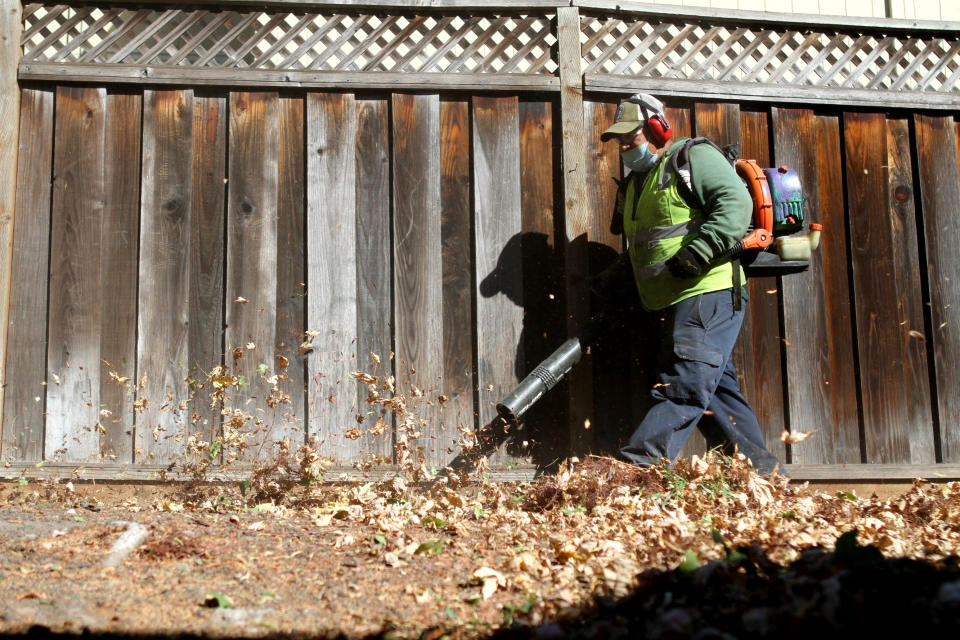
(676, 249)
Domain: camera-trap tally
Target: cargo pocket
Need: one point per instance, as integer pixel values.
(696, 374)
(698, 353)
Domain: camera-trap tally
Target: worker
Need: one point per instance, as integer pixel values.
(676, 252)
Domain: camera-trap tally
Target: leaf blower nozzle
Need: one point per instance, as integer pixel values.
(544, 377)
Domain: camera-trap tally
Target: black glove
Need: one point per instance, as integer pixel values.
(685, 264)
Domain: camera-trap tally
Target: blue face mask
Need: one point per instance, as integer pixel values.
(640, 158)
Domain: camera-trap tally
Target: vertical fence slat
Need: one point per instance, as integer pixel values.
(842, 390)
(758, 355)
(120, 238)
(291, 265)
(207, 254)
(252, 253)
(73, 354)
(893, 432)
(909, 301)
(11, 27)
(576, 219)
(612, 390)
(332, 269)
(497, 233)
(374, 262)
(804, 311)
(23, 408)
(165, 218)
(458, 324)
(544, 328)
(937, 154)
(418, 269)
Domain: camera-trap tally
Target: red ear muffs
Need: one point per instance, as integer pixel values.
(658, 130)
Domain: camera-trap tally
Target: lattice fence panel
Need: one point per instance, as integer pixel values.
(284, 40)
(770, 56)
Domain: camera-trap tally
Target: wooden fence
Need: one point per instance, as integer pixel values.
(237, 201)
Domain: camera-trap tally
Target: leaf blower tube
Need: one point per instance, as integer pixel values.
(544, 377)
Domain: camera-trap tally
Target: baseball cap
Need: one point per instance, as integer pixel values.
(632, 114)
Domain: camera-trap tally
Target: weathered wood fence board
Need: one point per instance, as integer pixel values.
(207, 256)
(252, 190)
(937, 155)
(896, 415)
(374, 264)
(118, 350)
(841, 383)
(544, 324)
(332, 269)
(164, 275)
(759, 353)
(291, 267)
(498, 227)
(76, 294)
(418, 261)
(804, 310)
(458, 265)
(25, 390)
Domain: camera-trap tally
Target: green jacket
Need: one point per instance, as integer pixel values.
(658, 221)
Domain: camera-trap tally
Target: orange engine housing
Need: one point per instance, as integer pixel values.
(752, 175)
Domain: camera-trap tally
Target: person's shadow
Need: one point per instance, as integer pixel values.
(608, 342)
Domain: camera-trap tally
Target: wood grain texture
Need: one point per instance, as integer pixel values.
(838, 302)
(576, 219)
(332, 270)
(498, 241)
(374, 263)
(544, 327)
(164, 275)
(418, 252)
(252, 256)
(207, 254)
(291, 265)
(456, 238)
(759, 351)
(937, 157)
(909, 301)
(893, 432)
(119, 248)
(24, 393)
(73, 350)
(10, 93)
(804, 311)
(613, 419)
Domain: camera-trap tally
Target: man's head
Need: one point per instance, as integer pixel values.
(642, 116)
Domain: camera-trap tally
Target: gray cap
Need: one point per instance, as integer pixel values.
(632, 114)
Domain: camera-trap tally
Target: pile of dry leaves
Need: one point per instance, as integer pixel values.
(701, 548)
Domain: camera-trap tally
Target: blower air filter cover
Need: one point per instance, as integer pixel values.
(788, 199)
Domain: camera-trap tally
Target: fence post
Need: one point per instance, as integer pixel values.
(576, 219)
(10, 26)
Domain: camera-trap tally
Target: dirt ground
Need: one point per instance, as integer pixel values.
(393, 559)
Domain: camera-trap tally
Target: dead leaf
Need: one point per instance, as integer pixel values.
(794, 437)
